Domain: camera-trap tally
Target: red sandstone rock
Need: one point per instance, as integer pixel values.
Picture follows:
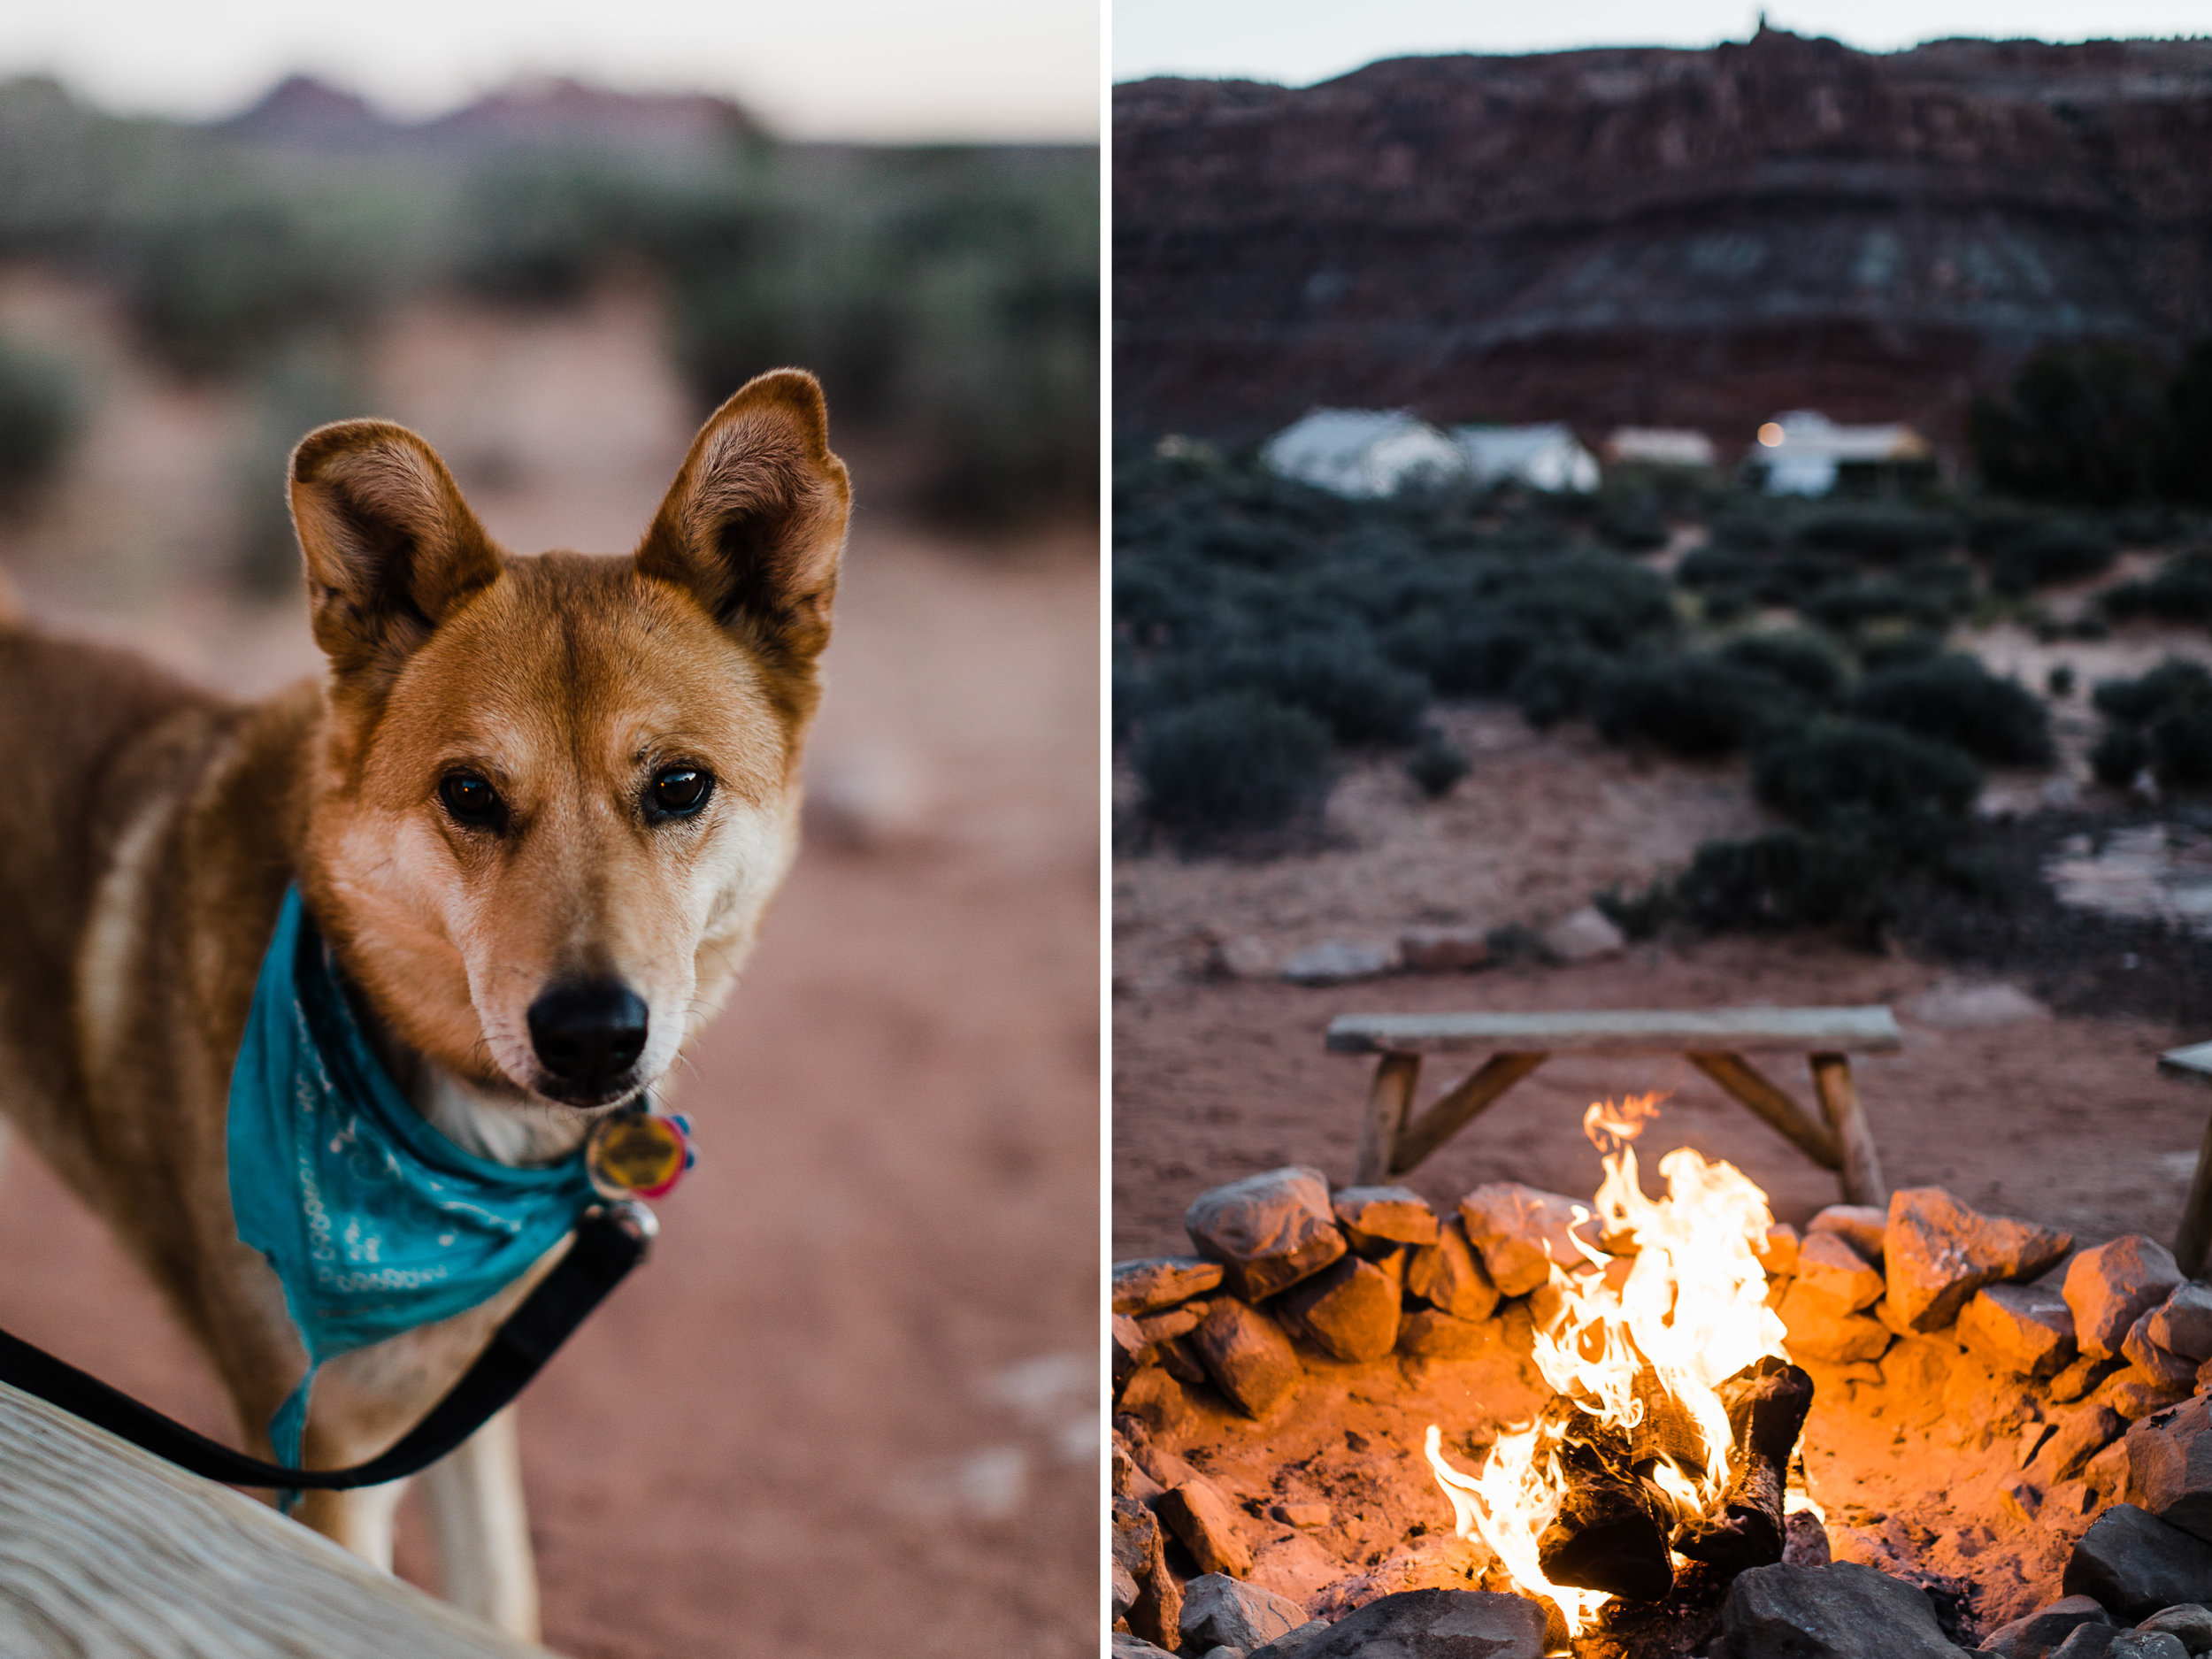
(2183, 1324)
(2113, 1286)
(1820, 1329)
(1778, 1252)
(1349, 1309)
(1862, 1227)
(2024, 1329)
(1156, 1399)
(1247, 1357)
(1936, 1253)
(1397, 1214)
(1429, 1333)
(1157, 1609)
(1448, 1274)
(1218, 1611)
(1519, 1232)
(1197, 1513)
(2169, 1466)
(1443, 950)
(1268, 1231)
(2082, 1433)
(1829, 1267)
(1161, 1281)
(2143, 1352)
(2133, 1394)
(2083, 1377)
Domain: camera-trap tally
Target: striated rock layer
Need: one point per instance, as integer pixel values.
(1656, 237)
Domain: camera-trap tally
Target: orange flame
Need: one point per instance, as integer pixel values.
(1690, 1313)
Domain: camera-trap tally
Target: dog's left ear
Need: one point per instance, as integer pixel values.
(753, 526)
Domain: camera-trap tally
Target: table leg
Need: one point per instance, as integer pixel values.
(1389, 1098)
(1861, 1174)
(2196, 1214)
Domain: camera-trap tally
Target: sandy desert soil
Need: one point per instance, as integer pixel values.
(851, 1405)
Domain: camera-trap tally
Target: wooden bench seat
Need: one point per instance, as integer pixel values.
(1394, 1139)
(2194, 1063)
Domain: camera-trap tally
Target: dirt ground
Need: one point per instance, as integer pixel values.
(851, 1405)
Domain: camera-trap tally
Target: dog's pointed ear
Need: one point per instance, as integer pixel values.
(754, 525)
(391, 547)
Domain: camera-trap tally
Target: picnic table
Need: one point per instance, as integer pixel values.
(1395, 1138)
(2193, 1063)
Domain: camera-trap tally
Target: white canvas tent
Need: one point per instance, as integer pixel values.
(1548, 456)
(1803, 452)
(1362, 451)
(1659, 446)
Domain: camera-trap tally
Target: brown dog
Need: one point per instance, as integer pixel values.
(536, 808)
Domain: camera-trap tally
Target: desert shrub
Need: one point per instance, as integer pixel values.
(2049, 550)
(1863, 604)
(1635, 525)
(1776, 882)
(1338, 678)
(2184, 473)
(1555, 684)
(2087, 425)
(1894, 648)
(39, 417)
(2173, 683)
(2180, 591)
(2162, 720)
(1850, 771)
(1436, 764)
(1639, 916)
(1696, 706)
(2119, 756)
(1880, 534)
(1804, 660)
(1230, 764)
(2060, 681)
(216, 287)
(1954, 700)
(2181, 746)
(1486, 620)
(1741, 531)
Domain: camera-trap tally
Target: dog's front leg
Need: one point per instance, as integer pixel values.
(360, 1520)
(482, 1529)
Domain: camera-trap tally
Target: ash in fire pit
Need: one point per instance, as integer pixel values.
(1345, 1399)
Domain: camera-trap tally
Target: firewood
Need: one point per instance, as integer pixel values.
(1767, 1405)
(1610, 1533)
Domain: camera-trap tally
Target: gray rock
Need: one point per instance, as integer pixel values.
(2142, 1644)
(1519, 1232)
(1450, 1275)
(1219, 1611)
(2136, 1563)
(1960, 1005)
(1197, 1512)
(1431, 1625)
(2143, 1351)
(1839, 1611)
(1128, 1646)
(2035, 1636)
(2169, 1466)
(1828, 1266)
(1862, 1226)
(1268, 1231)
(1247, 1357)
(1349, 1309)
(1938, 1252)
(1296, 1643)
(2088, 1641)
(1443, 950)
(1223, 1653)
(2183, 1324)
(1337, 961)
(1397, 1214)
(2191, 1622)
(1239, 956)
(2113, 1286)
(1584, 936)
(2027, 1330)
(1161, 1281)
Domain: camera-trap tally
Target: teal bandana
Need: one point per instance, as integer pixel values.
(374, 1222)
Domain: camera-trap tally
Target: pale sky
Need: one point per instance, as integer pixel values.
(890, 70)
(1298, 41)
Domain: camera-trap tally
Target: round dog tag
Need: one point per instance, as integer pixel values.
(639, 1154)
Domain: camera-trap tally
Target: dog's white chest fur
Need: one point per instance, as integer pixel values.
(502, 1129)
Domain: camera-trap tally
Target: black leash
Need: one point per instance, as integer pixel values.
(610, 1242)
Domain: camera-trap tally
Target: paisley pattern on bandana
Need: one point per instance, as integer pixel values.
(374, 1222)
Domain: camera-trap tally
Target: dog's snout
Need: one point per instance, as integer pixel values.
(589, 1033)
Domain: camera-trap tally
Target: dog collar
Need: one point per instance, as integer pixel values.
(639, 1153)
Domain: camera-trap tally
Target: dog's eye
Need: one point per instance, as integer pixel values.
(473, 801)
(678, 792)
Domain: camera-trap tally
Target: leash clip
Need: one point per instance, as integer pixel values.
(639, 1153)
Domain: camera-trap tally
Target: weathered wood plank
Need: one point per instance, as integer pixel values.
(106, 1552)
(1871, 1030)
(1389, 1098)
(2193, 1063)
(1458, 1106)
(1756, 1090)
(1862, 1173)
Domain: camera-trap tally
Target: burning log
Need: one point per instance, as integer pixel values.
(1766, 1404)
(1610, 1533)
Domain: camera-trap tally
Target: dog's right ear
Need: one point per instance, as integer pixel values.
(391, 547)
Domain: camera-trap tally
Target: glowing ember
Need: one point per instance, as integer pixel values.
(1636, 1343)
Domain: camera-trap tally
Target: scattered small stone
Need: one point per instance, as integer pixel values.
(2022, 1499)
(1197, 1513)
(1397, 1214)
(1222, 1611)
(2170, 1464)
(1804, 1539)
(2069, 1501)
(2143, 1352)
(1443, 950)
(1132, 1349)
(1432, 1334)
(1300, 1514)
(2082, 1433)
(1156, 1328)
(1863, 1227)
(2134, 1395)
(2083, 1377)
(2087, 1641)
(2191, 1622)
(2111, 1287)
(2142, 1644)
(1450, 1275)
(1239, 956)
(1519, 1232)
(1435, 1624)
(1161, 1281)
(1584, 936)
(2136, 1563)
(2183, 1322)
(1247, 1357)
(1155, 1613)
(2027, 1330)
(1778, 1252)
(1843, 1610)
(1268, 1231)
(1339, 961)
(1349, 1309)
(1938, 1252)
(2035, 1636)
(1819, 1330)
(1131, 1480)
(1828, 1266)
(1156, 1399)
(1957, 1005)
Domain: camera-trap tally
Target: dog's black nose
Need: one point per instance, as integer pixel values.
(590, 1032)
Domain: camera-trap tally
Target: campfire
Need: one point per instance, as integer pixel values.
(1675, 1408)
(1652, 1424)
